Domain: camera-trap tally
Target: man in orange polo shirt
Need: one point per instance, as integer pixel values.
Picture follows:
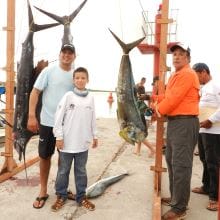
(181, 106)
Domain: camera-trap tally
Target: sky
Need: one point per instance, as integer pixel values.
(96, 48)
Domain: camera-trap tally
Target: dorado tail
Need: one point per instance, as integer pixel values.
(127, 47)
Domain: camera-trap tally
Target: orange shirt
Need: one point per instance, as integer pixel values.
(181, 94)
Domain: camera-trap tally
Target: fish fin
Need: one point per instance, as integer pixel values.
(126, 47)
(35, 27)
(73, 15)
(63, 19)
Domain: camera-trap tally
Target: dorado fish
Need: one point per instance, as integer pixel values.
(100, 186)
(25, 80)
(132, 128)
(66, 21)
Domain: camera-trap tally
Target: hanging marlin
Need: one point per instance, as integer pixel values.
(132, 128)
(25, 81)
(66, 21)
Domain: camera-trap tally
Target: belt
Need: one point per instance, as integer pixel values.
(181, 117)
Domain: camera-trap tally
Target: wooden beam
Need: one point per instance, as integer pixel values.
(160, 122)
(17, 169)
(9, 163)
(156, 206)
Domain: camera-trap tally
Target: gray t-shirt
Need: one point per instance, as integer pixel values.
(54, 82)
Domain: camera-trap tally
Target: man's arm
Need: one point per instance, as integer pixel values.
(32, 120)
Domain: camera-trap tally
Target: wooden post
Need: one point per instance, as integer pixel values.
(160, 127)
(9, 161)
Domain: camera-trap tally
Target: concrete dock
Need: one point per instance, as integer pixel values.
(128, 199)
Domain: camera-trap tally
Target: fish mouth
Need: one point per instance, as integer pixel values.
(132, 134)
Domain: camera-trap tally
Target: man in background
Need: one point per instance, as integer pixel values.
(209, 135)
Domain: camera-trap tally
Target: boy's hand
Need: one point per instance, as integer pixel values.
(95, 143)
(59, 144)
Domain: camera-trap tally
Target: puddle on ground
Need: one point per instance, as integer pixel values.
(31, 181)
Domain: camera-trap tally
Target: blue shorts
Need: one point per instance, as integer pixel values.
(47, 142)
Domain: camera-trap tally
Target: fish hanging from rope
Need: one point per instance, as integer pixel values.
(25, 81)
(132, 127)
(66, 21)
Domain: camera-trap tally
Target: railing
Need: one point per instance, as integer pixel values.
(149, 23)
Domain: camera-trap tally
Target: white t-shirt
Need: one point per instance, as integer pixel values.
(210, 99)
(75, 122)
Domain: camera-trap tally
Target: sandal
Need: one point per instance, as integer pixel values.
(199, 190)
(41, 202)
(58, 204)
(87, 204)
(212, 205)
(70, 195)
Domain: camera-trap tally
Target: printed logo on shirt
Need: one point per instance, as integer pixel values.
(71, 106)
(41, 139)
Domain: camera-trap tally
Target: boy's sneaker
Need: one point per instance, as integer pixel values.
(58, 204)
(87, 204)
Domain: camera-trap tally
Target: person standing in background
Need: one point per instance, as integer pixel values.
(209, 135)
(141, 96)
(181, 106)
(140, 86)
(140, 90)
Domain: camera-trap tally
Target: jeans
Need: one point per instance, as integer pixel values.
(80, 174)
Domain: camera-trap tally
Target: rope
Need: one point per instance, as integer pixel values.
(119, 3)
(145, 17)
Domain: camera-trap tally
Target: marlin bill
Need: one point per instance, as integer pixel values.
(132, 127)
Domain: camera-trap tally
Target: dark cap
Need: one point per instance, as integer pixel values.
(68, 47)
(182, 46)
(199, 67)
